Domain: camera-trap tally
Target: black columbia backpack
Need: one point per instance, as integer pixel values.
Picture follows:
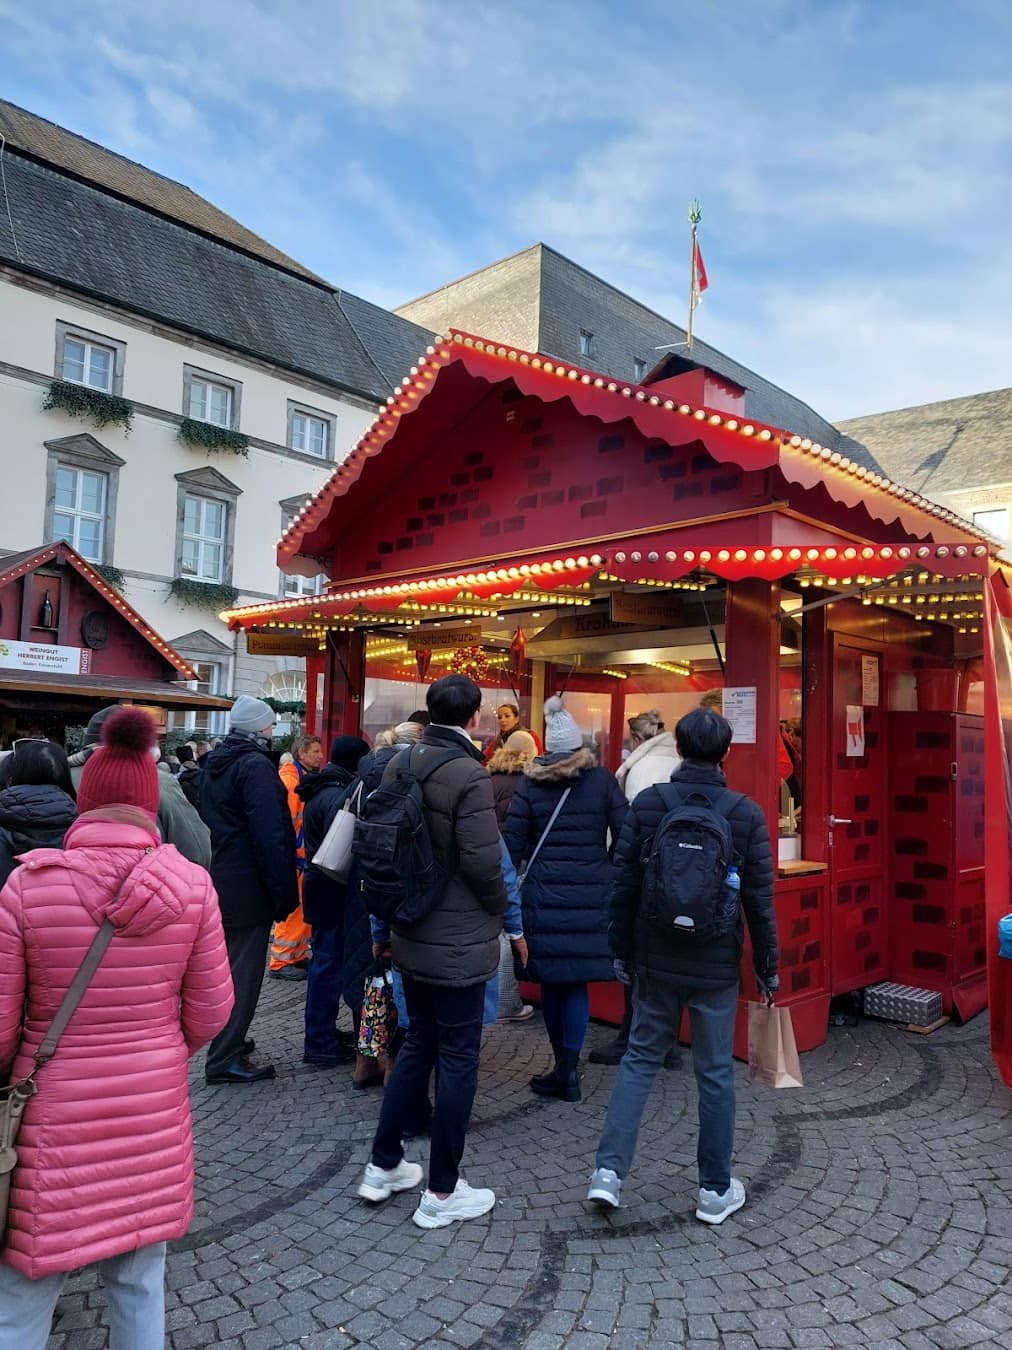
(691, 887)
(400, 875)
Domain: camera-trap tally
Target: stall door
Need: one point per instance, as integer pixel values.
(857, 820)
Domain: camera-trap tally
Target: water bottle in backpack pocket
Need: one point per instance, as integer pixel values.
(691, 884)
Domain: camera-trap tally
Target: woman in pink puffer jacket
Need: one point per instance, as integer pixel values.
(105, 1153)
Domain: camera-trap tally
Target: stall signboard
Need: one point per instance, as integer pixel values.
(740, 711)
(281, 644)
(646, 608)
(43, 658)
(444, 639)
(869, 681)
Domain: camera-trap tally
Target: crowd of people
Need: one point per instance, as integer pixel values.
(203, 882)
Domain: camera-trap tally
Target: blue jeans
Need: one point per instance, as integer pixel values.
(445, 1031)
(323, 991)
(566, 1010)
(134, 1289)
(657, 1014)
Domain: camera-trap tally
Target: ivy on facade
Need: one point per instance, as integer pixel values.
(77, 400)
(211, 437)
(204, 594)
(111, 574)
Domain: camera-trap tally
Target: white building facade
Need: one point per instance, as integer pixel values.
(183, 439)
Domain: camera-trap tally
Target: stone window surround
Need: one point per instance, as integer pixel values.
(191, 373)
(306, 409)
(207, 482)
(83, 451)
(66, 330)
(290, 508)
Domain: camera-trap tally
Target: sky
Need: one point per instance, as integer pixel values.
(853, 158)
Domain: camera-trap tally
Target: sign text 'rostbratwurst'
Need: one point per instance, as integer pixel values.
(442, 639)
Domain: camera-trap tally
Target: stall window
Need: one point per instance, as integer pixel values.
(211, 398)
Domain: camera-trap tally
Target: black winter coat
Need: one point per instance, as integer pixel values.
(565, 895)
(245, 807)
(32, 816)
(323, 795)
(669, 958)
(189, 778)
(457, 943)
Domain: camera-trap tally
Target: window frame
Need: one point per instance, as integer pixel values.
(210, 485)
(639, 369)
(187, 721)
(329, 420)
(77, 513)
(204, 539)
(83, 453)
(290, 509)
(75, 333)
(586, 347)
(990, 511)
(193, 374)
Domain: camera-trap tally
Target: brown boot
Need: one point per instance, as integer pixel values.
(368, 1072)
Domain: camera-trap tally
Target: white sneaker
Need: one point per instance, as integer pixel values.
(381, 1182)
(604, 1187)
(714, 1206)
(464, 1203)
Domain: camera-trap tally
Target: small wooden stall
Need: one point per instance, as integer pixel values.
(70, 644)
(543, 527)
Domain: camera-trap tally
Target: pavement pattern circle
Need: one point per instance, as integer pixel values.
(878, 1211)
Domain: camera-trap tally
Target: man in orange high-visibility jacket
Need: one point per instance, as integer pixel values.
(290, 939)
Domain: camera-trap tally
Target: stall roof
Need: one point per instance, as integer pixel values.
(112, 688)
(15, 565)
(456, 372)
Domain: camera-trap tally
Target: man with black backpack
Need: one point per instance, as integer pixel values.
(691, 856)
(427, 851)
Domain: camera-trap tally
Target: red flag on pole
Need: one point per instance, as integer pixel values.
(699, 279)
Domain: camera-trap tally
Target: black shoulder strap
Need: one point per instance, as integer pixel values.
(726, 802)
(437, 757)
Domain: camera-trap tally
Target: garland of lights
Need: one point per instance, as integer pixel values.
(470, 661)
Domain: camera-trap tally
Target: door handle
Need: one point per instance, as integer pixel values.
(839, 820)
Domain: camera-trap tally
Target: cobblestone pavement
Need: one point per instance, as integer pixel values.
(878, 1212)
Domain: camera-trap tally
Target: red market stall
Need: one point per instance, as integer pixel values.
(547, 527)
(70, 644)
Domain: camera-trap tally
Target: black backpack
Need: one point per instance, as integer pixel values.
(400, 875)
(687, 891)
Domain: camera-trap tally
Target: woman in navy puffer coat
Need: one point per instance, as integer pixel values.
(566, 891)
(37, 803)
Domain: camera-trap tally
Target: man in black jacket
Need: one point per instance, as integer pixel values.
(670, 973)
(245, 806)
(445, 959)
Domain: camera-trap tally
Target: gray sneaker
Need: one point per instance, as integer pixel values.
(714, 1206)
(604, 1188)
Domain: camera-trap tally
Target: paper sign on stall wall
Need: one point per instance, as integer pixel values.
(869, 681)
(855, 731)
(739, 709)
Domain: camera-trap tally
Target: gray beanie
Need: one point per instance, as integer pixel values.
(561, 732)
(250, 714)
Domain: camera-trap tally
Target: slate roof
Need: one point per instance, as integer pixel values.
(95, 164)
(952, 446)
(83, 236)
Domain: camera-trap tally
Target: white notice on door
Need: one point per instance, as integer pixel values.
(739, 709)
(855, 731)
(869, 681)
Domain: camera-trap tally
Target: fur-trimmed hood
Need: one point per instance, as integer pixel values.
(559, 768)
(505, 760)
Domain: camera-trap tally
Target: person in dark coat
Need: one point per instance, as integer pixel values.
(190, 775)
(506, 768)
(245, 807)
(565, 894)
(445, 960)
(326, 904)
(37, 803)
(672, 973)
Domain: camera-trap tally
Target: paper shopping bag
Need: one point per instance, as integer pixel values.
(772, 1053)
